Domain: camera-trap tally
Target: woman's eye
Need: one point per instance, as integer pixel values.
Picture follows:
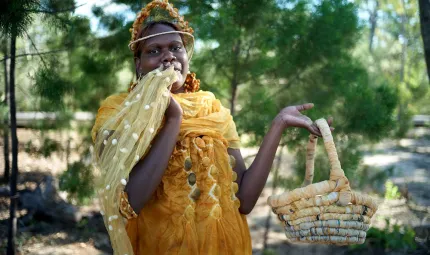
(153, 51)
(176, 48)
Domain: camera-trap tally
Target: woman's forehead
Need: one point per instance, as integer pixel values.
(162, 39)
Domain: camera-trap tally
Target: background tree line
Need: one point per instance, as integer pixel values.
(363, 62)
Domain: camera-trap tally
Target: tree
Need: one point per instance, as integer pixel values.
(65, 77)
(15, 17)
(13, 25)
(5, 117)
(425, 30)
(397, 57)
(12, 219)
(292, 53)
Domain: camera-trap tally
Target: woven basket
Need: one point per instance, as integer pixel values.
(326, 212)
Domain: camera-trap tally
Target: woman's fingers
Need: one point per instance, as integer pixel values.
(307, 122)
(315, 130)
(304, 107)
(310, 125)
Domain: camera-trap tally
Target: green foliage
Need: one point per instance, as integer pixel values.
(392, 238)
(290, 183)
(396, 58)
(404, 117)
(52, 88)
(56, 12)
(15, 17)
(96, 80)
(78, 181)
(391, 191)
(369, 110)
(255, 122)
(81, 78)
(269, 252)
(288, 62)
(369, 177)
(336, 18)
(46, 149)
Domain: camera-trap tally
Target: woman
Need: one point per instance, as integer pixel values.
(189, 191)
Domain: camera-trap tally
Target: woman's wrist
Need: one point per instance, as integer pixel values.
(279, 123)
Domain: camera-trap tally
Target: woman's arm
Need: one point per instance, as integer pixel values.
(251, 182)
(147, 173)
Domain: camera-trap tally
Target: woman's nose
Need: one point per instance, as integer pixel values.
(168, 57)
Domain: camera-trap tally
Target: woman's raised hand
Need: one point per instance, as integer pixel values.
(174, 110)
(292, 116)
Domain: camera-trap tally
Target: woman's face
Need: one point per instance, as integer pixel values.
(166, 50)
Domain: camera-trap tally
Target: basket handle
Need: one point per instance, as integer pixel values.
(336, 172)
(338, 182)
(310, 160)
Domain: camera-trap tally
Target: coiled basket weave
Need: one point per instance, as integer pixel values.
(326, 212)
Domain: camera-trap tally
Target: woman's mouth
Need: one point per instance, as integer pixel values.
(165, 66)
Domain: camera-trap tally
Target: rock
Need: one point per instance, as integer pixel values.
(45, 201)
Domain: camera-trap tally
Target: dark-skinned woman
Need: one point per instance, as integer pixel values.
(171, 177)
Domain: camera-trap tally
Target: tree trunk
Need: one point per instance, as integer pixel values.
(6, 119)
(401, 115)
(233, 97)
(373, 19)
(425, 30)
(14, 173)
(234, 80)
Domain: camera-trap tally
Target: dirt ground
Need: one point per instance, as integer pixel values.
(408, 159)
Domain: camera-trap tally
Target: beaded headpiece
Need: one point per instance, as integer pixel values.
(162, 10)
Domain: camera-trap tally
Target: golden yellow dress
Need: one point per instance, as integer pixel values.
(194, 209)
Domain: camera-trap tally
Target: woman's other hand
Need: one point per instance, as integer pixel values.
(292, 116)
